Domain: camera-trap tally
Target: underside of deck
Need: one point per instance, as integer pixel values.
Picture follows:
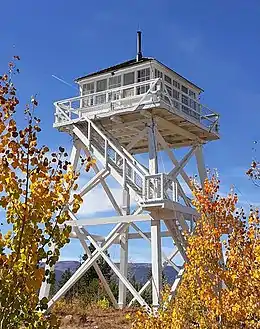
(177, 130)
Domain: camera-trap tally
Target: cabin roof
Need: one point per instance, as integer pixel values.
(129, 63)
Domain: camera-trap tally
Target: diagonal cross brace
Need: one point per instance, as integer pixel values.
(93, 182)
(174, 172)
(96, 267)
(148, 282)
(113, 235)
(116, 270)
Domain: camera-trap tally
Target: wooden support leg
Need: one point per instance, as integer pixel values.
(124, 251)
(201, 165)
(46, 287)
(156, 262)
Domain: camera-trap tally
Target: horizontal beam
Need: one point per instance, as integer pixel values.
(98, 238)
(169, 206)
(109, 220)
(133, 236)
(164, 234)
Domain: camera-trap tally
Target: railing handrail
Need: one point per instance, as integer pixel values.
(78, 98)
(211, 117)
(128, 156)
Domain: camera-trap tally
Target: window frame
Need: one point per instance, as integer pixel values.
(101, 80)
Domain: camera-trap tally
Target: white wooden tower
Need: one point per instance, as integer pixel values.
(138, 106)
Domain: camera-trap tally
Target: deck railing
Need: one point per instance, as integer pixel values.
(146, 93)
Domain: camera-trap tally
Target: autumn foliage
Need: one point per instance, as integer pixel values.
(221, 282)
(35, 187)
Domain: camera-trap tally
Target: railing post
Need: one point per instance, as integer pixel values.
(162, 186)
(174, 191)
(124, 172)
(89, 133)
(144, 189)
(106, 152)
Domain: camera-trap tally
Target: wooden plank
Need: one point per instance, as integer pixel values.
(176, 129)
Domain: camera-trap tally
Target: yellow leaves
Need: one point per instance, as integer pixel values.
(128, 316)
(8, 180)
(78, 198)
(90, 163)
(33, 189)
(8, 235)
(77, 201)
(214, 289)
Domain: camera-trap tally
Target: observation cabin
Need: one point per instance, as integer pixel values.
(121, 99)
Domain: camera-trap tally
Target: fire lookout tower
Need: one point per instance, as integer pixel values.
(138, 106)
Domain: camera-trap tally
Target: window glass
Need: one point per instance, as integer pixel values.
(114, 82)
(142, 89)
(167, 79)
(193, 104)
(88, 88)
(129, 78)
(192, 94)
(113, 96)
(185, 99)
(176, 84)
(175, 94)
(128, 92)
(185, 109)
(101, 85)
(176, 104)
(184, 89)
(100, 99)
(143, 75)
(158, 74)
(169, 89)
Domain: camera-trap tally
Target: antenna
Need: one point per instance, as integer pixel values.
(139, 46)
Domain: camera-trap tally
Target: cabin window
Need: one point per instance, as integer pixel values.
(169, 89)
(114, 82)
(185, 109)
(129, 92)
(193, 104)
(100, 99)
(176, 84)
(101, 85)
(113, 96)
(184, 89)
(175, 94)
(167, 79)
(88, 88)
(129, 78)
(185, 100)
(192, 94)
(158, 74)
(142, 89)
(143, 75)
(176, 104)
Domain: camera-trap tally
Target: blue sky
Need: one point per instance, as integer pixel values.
(213, 43)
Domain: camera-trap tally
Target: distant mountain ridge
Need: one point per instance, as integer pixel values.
(139, 270)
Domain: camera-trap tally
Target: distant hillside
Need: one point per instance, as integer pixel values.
(139, 270)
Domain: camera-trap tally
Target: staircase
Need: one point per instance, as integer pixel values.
(148, 189)
(123, 166)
